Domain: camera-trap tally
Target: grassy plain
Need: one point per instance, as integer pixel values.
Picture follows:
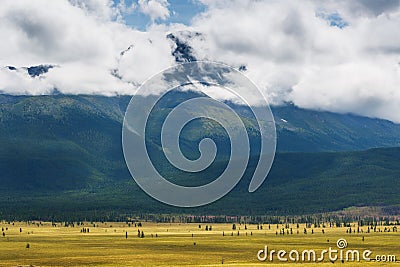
(107, 245)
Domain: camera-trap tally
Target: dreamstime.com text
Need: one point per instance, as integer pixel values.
(331, 254)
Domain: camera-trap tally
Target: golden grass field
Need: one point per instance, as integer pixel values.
(107, 245)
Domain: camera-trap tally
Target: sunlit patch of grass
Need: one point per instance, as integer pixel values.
(107, 245)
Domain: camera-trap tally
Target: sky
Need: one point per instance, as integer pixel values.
(341, 56)
(167, 12)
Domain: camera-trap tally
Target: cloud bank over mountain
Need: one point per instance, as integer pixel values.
(342, 56)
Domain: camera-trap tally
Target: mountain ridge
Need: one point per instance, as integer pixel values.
(64, 153)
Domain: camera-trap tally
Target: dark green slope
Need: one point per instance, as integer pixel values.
(299, 183)
(308, 130)
(58, 142)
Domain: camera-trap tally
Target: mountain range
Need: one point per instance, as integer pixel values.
(61, 157)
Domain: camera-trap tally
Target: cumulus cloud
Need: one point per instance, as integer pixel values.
(294, 54)
(99, 8)
(371, 7)
(335, 55)
(84, 39)
(155, 9)
(105, 9)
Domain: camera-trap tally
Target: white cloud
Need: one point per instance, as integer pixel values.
(123, 9)
(155, 9)
(150, 53)
(105, 9)
(290, 51)
(19, 82)
(365, 7)
(295, 55)
(86, 46)
(101, 9)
